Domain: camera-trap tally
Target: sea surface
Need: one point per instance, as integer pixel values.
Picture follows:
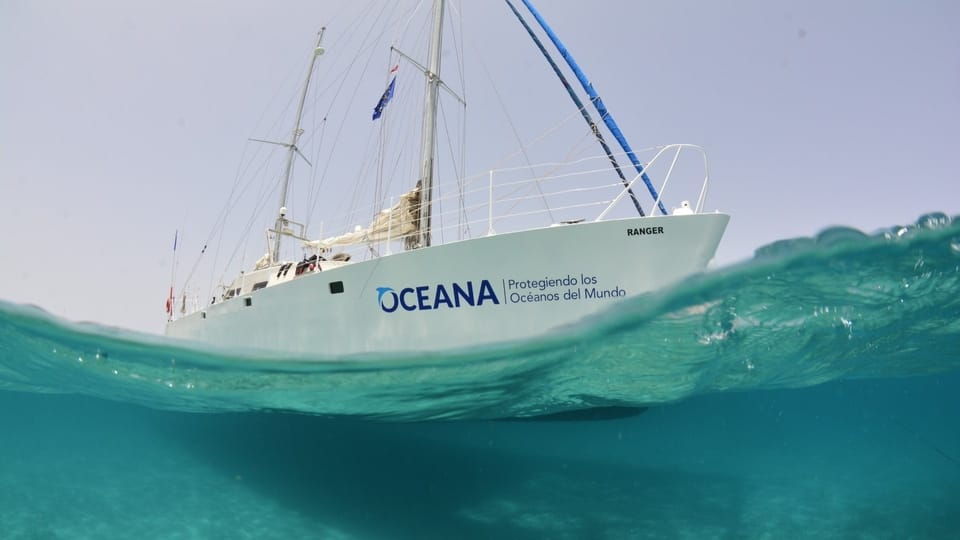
(810, 392)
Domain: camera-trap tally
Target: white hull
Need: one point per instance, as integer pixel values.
(407, 302)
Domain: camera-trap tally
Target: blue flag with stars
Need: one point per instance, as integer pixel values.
(385, 98)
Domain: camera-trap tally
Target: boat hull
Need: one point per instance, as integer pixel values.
(482, 291)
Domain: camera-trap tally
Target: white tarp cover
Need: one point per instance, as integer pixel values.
(262, 262)
(392, 223)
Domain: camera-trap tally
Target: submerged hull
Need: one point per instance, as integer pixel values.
(481, 291)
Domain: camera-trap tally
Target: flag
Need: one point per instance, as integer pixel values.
(176, 235)
(170, 302)
(385, 98)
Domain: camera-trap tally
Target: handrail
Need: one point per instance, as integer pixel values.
(563, 190)
(678, 147)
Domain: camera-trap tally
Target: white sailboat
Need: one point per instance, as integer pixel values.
(433, 295)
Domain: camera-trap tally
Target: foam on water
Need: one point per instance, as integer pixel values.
(843, 304)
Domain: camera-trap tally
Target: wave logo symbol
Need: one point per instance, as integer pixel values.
(391, 302)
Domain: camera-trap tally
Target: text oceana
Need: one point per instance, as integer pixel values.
(426, 297)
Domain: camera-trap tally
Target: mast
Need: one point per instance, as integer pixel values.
(292, 151)
(428, 137)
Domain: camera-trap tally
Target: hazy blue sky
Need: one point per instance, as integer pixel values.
(121, 122)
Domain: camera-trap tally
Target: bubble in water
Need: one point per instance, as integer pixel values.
(848, 324)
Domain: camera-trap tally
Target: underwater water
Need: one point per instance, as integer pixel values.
(811, 392)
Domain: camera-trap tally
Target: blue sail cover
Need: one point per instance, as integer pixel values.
(595, 99)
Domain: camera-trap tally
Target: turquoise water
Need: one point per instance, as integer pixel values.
(811, 392)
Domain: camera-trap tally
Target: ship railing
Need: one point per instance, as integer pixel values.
(671, 152)
(548, 194)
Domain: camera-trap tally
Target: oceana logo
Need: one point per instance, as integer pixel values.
(425, 297)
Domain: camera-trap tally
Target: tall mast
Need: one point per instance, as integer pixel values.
(292, 152)
(428, 138)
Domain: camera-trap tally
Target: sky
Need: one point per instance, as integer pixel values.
(123, 122)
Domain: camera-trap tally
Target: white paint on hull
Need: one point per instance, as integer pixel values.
(594, 264)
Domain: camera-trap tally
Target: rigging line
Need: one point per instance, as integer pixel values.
(307, 140)
(438, 200)
(458, 170)
(522, 150)
(314, 195)
(583, 110)
(361, 176)
(343, 121)
(242, 241)
(343, 7)
(453, 159)
(540, 138)
(380, 151)
(461, 58)
(360, 185)
(219, 227)
(264, 164)
(335, 79)
(456, 14)
(401, 115)
(406, 25)
(360, 190)
(458, 48)
(387, 172)
(461, 186)
(379, 189)
(554, 168)
(397, 164)
(246, 230)
(316, 157)
(381, 143)
(375, 145)
(264, 195)
(546, 175)
(230, 204)
(597, 102)
(270, 130)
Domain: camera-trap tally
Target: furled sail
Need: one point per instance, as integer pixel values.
(394, 223)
